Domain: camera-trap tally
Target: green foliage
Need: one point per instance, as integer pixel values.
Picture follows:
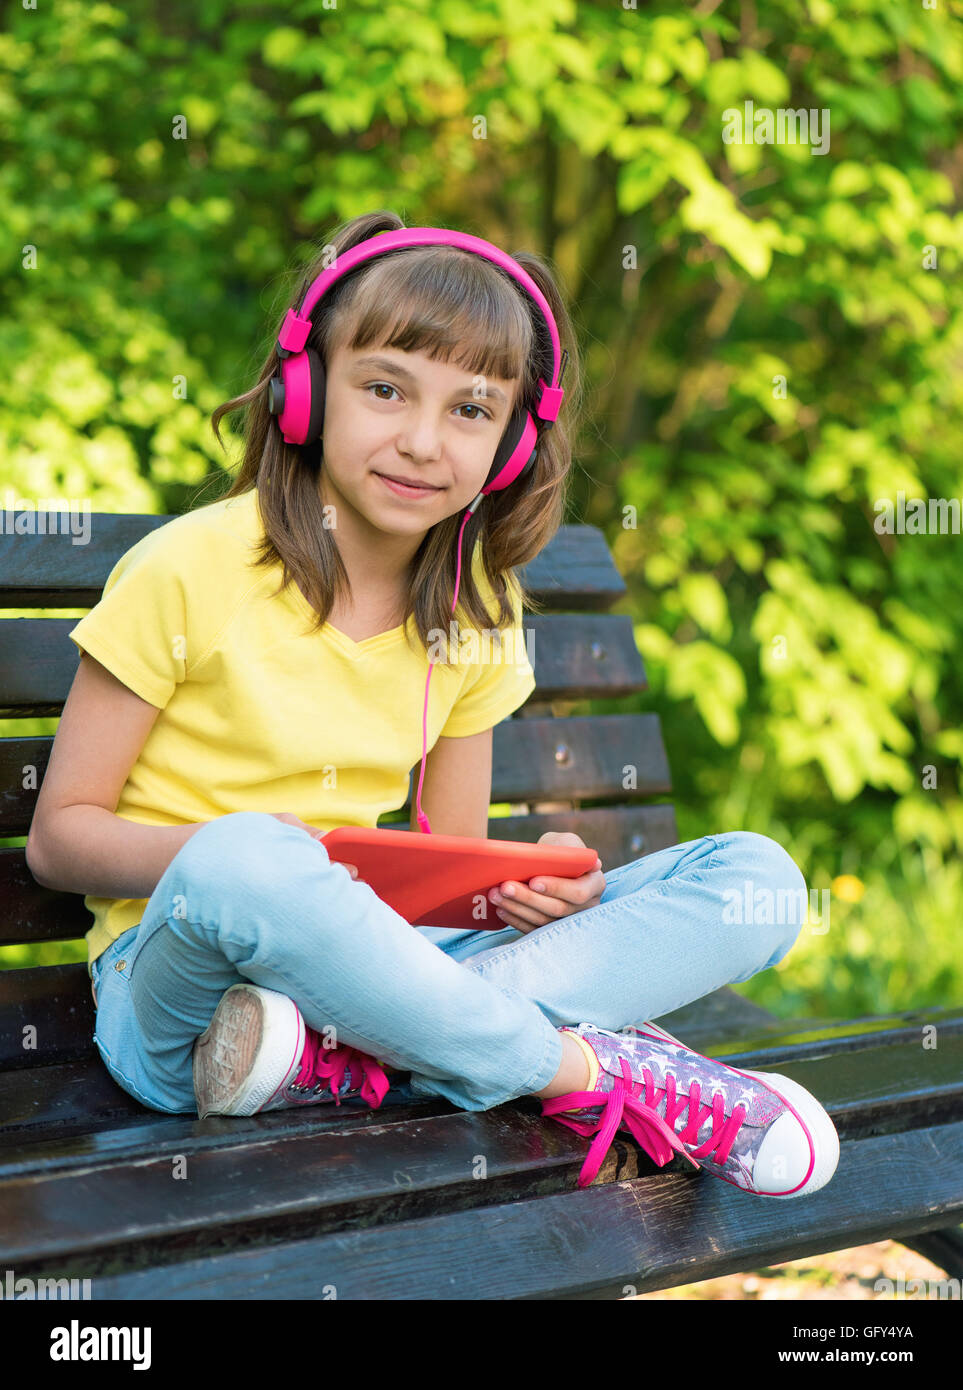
(773, 342)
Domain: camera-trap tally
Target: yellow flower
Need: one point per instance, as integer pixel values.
(849, 888)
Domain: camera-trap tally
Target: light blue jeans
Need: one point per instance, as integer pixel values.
(473, 1016)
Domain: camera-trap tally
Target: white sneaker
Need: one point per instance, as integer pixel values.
(258, 1054)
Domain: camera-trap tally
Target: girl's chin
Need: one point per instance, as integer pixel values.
(399, 520)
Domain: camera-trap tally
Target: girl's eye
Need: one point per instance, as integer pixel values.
(469, 405)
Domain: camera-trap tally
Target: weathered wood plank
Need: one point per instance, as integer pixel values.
(633, 1236)
(56, 1001)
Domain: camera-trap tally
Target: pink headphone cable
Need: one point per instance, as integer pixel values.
(422, 818)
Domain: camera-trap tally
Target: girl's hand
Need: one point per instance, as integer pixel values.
(289, 819)
(525, 908)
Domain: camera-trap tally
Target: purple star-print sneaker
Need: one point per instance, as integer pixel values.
(760, 1131)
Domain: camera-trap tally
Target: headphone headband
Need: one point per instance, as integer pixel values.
(297, 324)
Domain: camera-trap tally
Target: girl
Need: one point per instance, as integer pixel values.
(270, 648)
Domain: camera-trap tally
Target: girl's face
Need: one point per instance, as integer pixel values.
(411, 417)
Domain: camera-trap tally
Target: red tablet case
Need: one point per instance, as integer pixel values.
(444, 880)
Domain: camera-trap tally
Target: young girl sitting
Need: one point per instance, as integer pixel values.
(278, 648)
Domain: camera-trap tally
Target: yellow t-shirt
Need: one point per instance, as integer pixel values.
(257, 712)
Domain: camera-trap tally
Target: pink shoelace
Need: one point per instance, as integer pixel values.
(626, 1105)
(320, 1065)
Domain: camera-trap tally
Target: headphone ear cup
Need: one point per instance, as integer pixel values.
(318, 380)
(520, 439)
(507, 445)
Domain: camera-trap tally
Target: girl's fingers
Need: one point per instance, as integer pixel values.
(522, 895)
(532, 908)
(528, 907)
(556, 896)
(521, 918)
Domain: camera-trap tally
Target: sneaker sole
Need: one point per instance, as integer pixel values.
(248, 1052)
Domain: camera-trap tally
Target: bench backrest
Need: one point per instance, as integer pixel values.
(592, 774)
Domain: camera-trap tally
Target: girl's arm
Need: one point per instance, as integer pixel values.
(457, 790)
(76, 842)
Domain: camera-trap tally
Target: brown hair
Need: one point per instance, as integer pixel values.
(454, 306)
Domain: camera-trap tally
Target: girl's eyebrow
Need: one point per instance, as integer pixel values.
(385, 364)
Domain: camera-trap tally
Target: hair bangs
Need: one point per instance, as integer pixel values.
(448, 304)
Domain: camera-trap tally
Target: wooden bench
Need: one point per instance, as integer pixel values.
(390, 1203)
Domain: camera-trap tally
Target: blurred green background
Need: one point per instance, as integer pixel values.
(773, 342)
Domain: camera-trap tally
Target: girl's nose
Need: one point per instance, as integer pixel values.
(420, 437)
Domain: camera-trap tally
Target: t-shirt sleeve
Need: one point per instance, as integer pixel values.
(140, 628)
(500, 681)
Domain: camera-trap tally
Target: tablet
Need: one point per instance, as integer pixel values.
(444, 880)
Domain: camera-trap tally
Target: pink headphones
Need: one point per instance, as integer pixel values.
(296, 397)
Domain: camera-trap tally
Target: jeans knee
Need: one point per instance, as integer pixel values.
(240, 858)
(248, 840)
(767, 890)
(236, 833)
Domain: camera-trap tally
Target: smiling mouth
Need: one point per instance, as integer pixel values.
(405, 482)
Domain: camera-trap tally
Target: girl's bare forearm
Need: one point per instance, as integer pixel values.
(88, 849)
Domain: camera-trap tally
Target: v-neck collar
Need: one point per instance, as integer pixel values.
(367, 644)
(341, 639)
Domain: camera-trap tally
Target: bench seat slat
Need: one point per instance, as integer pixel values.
(652, 1232)
(73, 1112)
(76, 1114)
